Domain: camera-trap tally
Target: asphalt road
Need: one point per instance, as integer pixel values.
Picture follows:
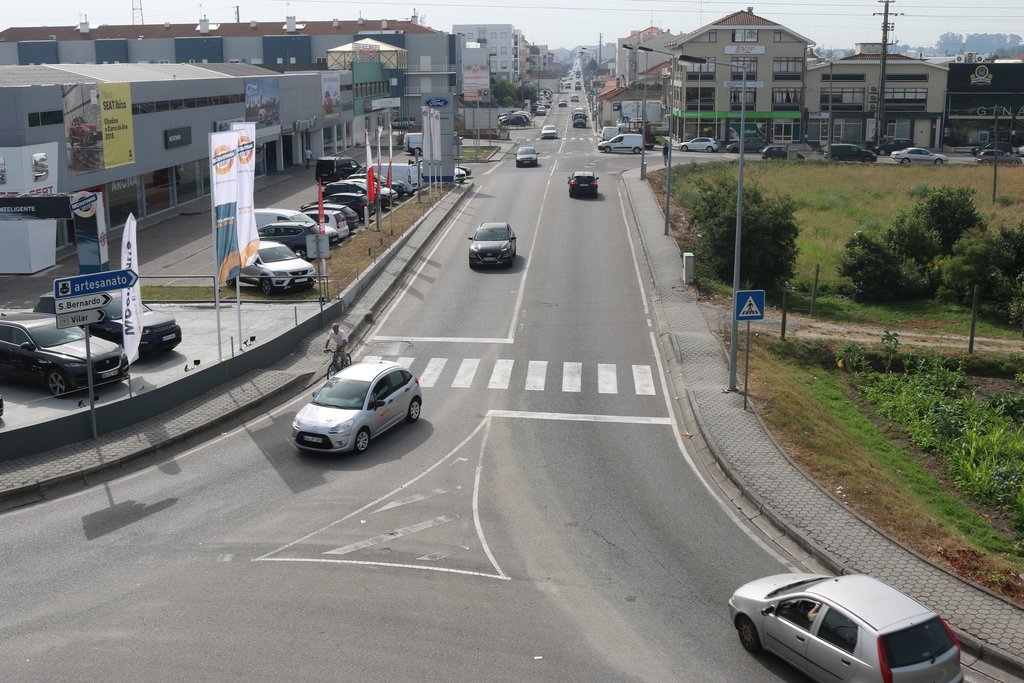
(541, 522)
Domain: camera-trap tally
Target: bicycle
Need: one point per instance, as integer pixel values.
(341, 360)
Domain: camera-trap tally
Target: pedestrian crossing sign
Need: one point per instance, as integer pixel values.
(749, 304)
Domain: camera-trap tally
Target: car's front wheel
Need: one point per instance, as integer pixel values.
(362, 441)
(749, 638)
(904, 161)
(939, 162)
(414, 410)
(266, 286)
(709, 148)
(684, 148)
(56, 382)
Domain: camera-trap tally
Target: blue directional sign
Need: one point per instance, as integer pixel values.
(749, 304)
(94, 282)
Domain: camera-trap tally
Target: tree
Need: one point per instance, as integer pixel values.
(976, 261)
(950, 43)
(872, 267)
(768, 246)
(950, 212)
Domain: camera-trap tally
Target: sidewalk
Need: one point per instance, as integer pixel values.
(989, 627)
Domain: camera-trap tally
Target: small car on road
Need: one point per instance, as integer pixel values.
(548, 133)
(847, 152)
(918, 155)
(700, 145)
(527, 156)
(775, 152)
(851, 628)
(989, 156)
(492, 244)
(583, 183)
(357, 405)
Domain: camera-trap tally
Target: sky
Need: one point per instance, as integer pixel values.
(572, 23)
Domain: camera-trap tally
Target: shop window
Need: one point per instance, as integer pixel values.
(122, 199)
(186, 182)
(157, 190)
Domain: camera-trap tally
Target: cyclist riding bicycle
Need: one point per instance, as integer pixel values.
(339, 339)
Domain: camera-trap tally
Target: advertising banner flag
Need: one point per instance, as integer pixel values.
(131, 298)
(245, 220)
(224, 199)
(391, 136)
(90, 231)
(371, 190)
(435, 134)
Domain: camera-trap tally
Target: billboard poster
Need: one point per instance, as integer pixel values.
(90, 231)
(330, 84)
(118, 135)
(224, 198)
(98, 128)
(245, 225)
(28, 170)
(262, 102)
(476, 83)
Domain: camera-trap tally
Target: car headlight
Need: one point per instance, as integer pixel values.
(342, 427)
(506, 249)
(474, 248)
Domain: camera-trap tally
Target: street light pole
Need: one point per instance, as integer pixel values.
(671, 126)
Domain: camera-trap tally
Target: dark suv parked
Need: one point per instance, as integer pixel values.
(1001, 146)
(160, 331)
(889, 145)
(846, 152)
(330, 169)
(33, 349)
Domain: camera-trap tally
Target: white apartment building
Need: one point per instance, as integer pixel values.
(502, 44)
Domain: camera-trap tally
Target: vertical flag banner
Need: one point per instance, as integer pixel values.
(90, 231)
(224, 197)
(391, 136)
(245, 222)
(371, 190)
(131, 298)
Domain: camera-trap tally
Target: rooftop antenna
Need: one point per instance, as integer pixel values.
(137, 12)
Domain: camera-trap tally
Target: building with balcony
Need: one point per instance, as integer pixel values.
(741, 46)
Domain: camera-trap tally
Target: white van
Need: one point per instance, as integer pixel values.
(624, 142)
(414, 143)
(276, 215)
(608, 132)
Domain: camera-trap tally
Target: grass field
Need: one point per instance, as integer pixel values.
(836, 200)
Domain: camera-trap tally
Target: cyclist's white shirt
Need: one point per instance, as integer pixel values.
(337, 338)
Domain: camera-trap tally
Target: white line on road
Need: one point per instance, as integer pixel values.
(572, 377)
(411, 499)
(574, 417)
(391, 535)
(536, 374)
(397, 565)
(430, 375)
(607, 382)
(464, 376)
(502, 374)
(643, 380)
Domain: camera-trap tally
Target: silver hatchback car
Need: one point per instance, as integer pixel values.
(848, 628)
(356, 405)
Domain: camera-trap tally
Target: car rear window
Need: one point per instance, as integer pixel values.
(916, 644)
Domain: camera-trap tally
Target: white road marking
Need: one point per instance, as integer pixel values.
(396, 565)
(643, 380)
(447, 340)
(372, 359)
(410, 499)
(432, 557)
(501, 374)
(465, 374)
(572, 376)
(536, 374)
(391, 535)
(607, 382)
(434, 368)
(577, 417)
(405, 361)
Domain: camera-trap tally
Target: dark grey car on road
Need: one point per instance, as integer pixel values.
(492, 244)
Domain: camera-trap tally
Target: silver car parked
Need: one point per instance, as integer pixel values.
(850, 628)
(356, 405)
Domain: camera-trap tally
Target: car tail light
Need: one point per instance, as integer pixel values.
(952, 636)
(883, 662)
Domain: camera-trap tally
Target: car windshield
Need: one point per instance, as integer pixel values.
(527, 150)
(46, 337)
(275, 254)
(113, 309)
(349, 394)
(799, 585)
(495, 234)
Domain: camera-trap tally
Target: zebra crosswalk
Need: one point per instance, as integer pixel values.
(539, 375)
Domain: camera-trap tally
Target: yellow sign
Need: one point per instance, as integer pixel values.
(116, 114)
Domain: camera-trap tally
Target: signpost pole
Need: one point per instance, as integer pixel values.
(88, 375)
(746, 367)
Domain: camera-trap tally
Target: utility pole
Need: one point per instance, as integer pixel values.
(137, 13)
(886, 27)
